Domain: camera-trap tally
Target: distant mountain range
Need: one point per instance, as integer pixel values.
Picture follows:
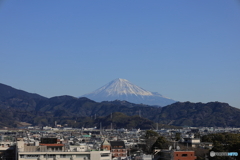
(122, 89)
(18, 106)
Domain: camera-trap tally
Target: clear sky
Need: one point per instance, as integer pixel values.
(188, 50)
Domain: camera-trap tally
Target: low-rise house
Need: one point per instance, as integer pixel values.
(82, 147)
(175, 155)
(208, 145)
(191, 142)
(105, 145)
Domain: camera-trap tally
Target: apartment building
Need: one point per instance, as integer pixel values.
(57, 152)
(118, 149)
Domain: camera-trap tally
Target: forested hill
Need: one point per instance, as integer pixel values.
(200, 114)
(20, 106)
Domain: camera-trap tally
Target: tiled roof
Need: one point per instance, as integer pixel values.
(117, 144)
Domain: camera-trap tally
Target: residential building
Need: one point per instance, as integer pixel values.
(175, 155)
(57, 152)
(118, 149)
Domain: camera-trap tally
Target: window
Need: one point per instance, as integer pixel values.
(184, 155)
(104, 155)
(49, 156)
(31, 156)
(21, 156)
(82, 156)
(62, 155)
(68, 156)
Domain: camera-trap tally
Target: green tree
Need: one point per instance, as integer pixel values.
(151, 133)
(151, 137)
(177, 136)
(223, 142)
(161, 143)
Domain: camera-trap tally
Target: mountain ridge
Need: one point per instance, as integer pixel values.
(8, 91)
(66, 109)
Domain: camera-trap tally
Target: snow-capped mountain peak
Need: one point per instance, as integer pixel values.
(122, 89)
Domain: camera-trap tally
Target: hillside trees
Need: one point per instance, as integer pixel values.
(224, 142)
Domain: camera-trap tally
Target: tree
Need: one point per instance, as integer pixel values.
(223, 142)
(151, 133)
(177, 136)
(160, 143)
(151, 137)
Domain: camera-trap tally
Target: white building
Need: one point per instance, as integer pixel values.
(57, 152)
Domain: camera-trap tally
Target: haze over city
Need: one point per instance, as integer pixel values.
(185, 50)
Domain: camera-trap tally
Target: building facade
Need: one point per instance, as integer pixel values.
(57, 152)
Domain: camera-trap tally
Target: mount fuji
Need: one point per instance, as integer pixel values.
(122, 89)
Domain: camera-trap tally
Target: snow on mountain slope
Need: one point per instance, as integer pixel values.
(122, 89)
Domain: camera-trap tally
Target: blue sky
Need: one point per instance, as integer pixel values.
(186, 50)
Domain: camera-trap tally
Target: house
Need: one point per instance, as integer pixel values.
(118, 149)
(208, 145)
(105, 145)
(192, 142)
(175, 155)
(184, 155)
